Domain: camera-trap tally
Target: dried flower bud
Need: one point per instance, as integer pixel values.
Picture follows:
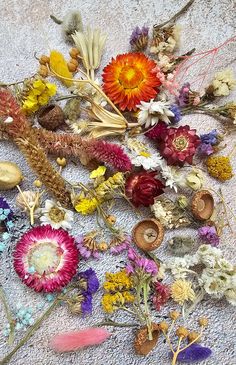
(75, 308)
(192, 336)
(182, 201)
(44, 60)
(74, 53)
(182, 332)
(163, 326)
(71, 67)
(74, 61)
(37, 183)
(203, 321)
(43, 71)
(174, 315)
(27, 199)
(103, 246)
(111, 219)
(61, 161)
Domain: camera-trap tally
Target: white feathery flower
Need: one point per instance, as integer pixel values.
(152, 112)
(55, 215)
(230, 296)
(147, 161)
(173, 177)
(223, 82)
(215, 282)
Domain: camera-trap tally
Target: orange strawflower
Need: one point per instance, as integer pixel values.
(128, 80)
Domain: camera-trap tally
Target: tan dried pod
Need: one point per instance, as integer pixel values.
(51, 117)
(202, 205)
(10, 175)
(142, 344)
(148, 234)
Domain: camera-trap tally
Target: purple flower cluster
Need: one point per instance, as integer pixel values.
(205, 149)
(177, 113)
(183, 98)
(139, 38)
(91, 286)
(139, 263)
(209, 235)
(6, 214)
(115, 250)
(193, 353)
(84, 251)
(210, 138)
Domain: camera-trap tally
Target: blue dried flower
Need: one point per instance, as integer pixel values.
(194, 353)
(210, 138)
(86, 305)
(205, 149)
(177, 113)
(139, 38)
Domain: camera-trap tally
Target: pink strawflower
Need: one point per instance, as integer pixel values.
(46, 259)
(110, 154)
(161, 294)
(72, 341)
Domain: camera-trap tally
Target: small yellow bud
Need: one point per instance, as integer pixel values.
(174, 315)
(182, 332)
(61, 161)
(111, 219)
(203, 321)
(163, 326)
(37, 183)
(103, 246)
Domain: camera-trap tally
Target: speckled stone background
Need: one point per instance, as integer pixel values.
(25, 27)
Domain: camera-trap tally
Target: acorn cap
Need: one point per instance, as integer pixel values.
(51, 117)
(202, 205)
(142, 344)
(148, 234)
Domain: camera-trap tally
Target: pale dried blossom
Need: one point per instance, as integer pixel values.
(195, 179)
(223, 83)
(154, 111)
(55, 215)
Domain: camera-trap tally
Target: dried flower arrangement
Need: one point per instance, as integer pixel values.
(139, 99)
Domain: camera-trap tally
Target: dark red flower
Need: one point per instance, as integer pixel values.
(178, 145)
(161, 294)
(142, 187)
(157, 132)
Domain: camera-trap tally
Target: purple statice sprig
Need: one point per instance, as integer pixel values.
(140, 264)
(139, 38)
(194, 353)
(84, 251)
(183, 97)
(92, 283)
(122, 246)
(209, 235)
(210, 138)
(205, 149)
(88, 285)
(177, 113)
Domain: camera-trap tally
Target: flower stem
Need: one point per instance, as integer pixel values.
(147, 315)
(30, 332)
(112, 323)
(174, 17)
(176, 353)
(8, 315)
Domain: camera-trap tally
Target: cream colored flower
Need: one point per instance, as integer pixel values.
(215, 282)
(194, 179)
(55, 215)
(223, 82)
(152, 112)
(230, 296)
(147, 161)
(181, 291)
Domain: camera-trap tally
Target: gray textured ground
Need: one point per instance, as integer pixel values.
(25, 28)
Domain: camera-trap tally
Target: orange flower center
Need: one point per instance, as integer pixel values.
(130, 77)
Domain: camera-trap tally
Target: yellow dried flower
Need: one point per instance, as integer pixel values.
(117, 281)
(174, 315)
(100, 171)
(112, 183)
(87, 206)
(182, 332)
(59, 66)
(203, 321)
(38, 95)
(112, 302)
(219, 167)
(181, 291)
(163, 326)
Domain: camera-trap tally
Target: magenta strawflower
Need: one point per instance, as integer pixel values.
(46, 259)
(209, 235)
(141, 264)
(161, 294)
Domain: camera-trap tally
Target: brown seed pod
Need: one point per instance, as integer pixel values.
(44, 60)
(75, 62)
(71, 67)
(148, 234)
(74, 53)
(202, 205)
(43, 71)
(51, 117)
(142, 344)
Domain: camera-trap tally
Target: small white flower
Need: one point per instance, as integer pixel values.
(173, 177)
(55, 215)
(154, 111)
(215, 282)
(230, 296)
(223, 82)
(8, 120)
(147, 161)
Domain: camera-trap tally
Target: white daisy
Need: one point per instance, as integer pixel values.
(55, 215)
(147, 161)
(154, 111)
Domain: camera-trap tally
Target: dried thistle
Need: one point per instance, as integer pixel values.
(71, 23)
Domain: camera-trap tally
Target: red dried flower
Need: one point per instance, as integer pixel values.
(142, 187)
(178, 145)
(157, 132)
(161, 295)
(46, 259)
